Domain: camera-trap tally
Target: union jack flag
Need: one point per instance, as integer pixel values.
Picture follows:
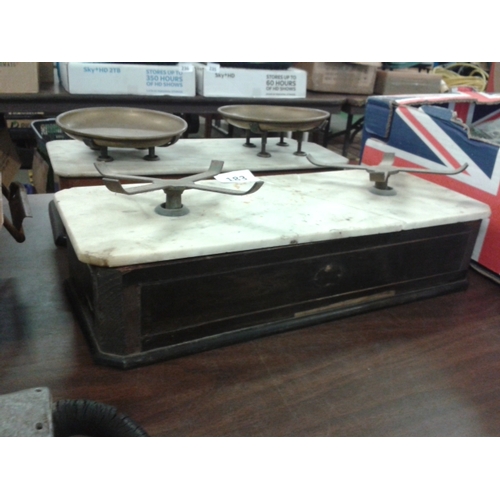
(437, 132)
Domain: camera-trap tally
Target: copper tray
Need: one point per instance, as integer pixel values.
(122, 127)
(262, 118)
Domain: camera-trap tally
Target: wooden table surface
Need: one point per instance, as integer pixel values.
(429, 368)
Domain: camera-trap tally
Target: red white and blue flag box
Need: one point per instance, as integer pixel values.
(442, 132)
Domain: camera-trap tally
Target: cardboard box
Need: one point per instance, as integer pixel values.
(19, 77)
(340, 77)
(46, 70)
(406, 82)
(215, 81)
(132, 79)
(442, 132)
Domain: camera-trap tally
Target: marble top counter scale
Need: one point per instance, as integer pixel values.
(110, 230)
(71, 158)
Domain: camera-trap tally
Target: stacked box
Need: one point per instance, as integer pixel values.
(340, 77)
(133, 79)
(406, 82)
(19, 77)
(213, 80)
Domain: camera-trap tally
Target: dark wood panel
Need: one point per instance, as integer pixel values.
(139, 314)
(428, 368)
(286, 288)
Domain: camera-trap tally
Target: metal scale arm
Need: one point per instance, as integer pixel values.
(380, 174)
(173, 188)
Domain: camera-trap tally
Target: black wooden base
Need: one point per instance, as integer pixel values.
(135, 315)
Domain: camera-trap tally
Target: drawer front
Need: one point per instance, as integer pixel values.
(195, 306)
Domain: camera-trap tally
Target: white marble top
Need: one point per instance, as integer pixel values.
(109, 229)
(71, 158)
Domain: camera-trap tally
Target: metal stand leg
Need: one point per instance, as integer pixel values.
(248, 144)
(263, 153)
(151, 156)
(282, 141)
(300, 137)
(173, 206)
(104, 156)
(347, 137)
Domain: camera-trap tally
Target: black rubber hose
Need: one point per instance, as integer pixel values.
(82, 417)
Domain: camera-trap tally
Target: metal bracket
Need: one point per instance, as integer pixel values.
(19, 209)
(26, 413)
(380, 173)
(173, 188)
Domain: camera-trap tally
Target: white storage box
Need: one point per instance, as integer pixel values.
(212, 80)
(135, 79)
